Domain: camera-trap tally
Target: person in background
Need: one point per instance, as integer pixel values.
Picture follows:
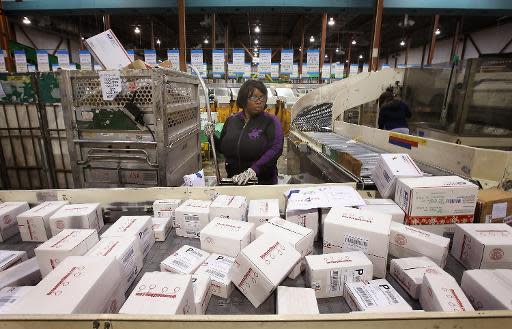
(393, 113)
(251, 140)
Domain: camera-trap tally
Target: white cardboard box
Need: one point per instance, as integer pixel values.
(327, 273)
(409, 241)
(232, 207)
(191, 217)
(166, 208)
(108, 51)
(81, 284)
(261, 266)
(8, 213)
(161, 227)
(226, 236)
(185, 260)
(140, 227)
(115, 302)
(260, 211)
(10, 295)
(77, 216)
(408, 272)
(386, 206)
(300, 237)
(483, 245)
(161, 293)
(34, 224)
(375, 296)
(307, 218)
(217, 268)
(26, 273)
(292, 300)
(488, 289)
(350, 229)
(436, 200)
(67, 243)
(389, 168)
(9, 258)
(201, 285)
(127, 253)
(441, 293)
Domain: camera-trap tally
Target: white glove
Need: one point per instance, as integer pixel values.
(209, 128)
(243, 178)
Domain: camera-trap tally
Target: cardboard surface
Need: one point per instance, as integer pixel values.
(201, 285)
(108, 51)
(493, 206)
(226, 236)
(386, 206)
(389, 168)
(227, 206)
(375, 295)
(77, 216)
(26, 273)
(185, 260)
(488, 289)
(8, 213)
(441, 293)
(140, 227)
(261, 211)
(217, 267)
(408, 272)
(191, 217)
(11, 295)
(307, 218)
(34, 224)
(161, 227)
(9, 258)
(292, 300)
(166, 208)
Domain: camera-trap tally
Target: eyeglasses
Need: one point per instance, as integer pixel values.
(255, 99)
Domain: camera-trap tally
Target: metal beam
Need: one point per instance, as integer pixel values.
(4, 35)
(474, 44)
(374, 52)
(27, 36)
(212, 39)
(455, 42)
(432, 48)
(322, 44)
(58, 46)
(246, 50)
(301, 60)
(182, 36)
(506, 46)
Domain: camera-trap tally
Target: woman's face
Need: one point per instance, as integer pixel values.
(256, 103)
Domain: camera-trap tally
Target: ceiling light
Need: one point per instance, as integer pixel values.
(256, 41)
(255, 48)
(206, 41)
(82, 38)
(257, 29)
(137, 30)
(438, 31)
(346, 61)
(337, 50)
(26, 20)
(326, 56)
(331, 21)
(158, 42)
(402, 43)
(312, 39)
(360, 56)
(354, 42)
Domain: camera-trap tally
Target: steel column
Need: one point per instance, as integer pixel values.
(432, 48)
(182, 33)
(322, 45)
(374, 52)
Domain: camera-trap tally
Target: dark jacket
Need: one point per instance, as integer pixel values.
(393, 115)
(257, 145)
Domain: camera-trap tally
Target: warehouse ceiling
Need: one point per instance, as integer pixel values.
(278, 30)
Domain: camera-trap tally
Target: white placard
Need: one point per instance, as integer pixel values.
(173, 56)
(313, 63)
(218, 58)
(31, 68)
(338, 73)
(63, 58)
(85, 60)
(110, 84)
(238, 56)
(265, 65)
(131, 54)
(3, 68)
(274, 70)
(196, 58)
(150, 56)
(295, 73)
(286, 61)
(21, 61)
(43, 63)
(326, 71)
(354, 69)
(499, 210)
(247, 71)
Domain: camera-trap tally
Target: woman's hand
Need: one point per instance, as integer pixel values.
(243, 178)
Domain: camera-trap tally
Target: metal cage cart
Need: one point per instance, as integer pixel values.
(148, 135)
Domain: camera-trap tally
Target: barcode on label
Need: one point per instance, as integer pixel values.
(179, 264)
(335, 281)
(215, 273)
(391, 297)
(127, 256)
(453, 200)
(365, 296)
(355, 243)
(191, 218)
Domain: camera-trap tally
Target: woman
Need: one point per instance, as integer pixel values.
(393, 113)
(251, 140)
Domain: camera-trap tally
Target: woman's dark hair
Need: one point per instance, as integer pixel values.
(386, 98)
(247, 90)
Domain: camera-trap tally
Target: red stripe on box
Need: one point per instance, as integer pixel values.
(437, 220)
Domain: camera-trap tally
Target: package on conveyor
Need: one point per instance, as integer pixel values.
(126, 252)
(374, 296)
(108, 51)
(327, 273)
(307, 218)
(390, 167)
(115, 302)
(166, 208)
(8, 213)
(26, 273)
(436, 200)
(292, 300)
(441, 293)
(350, 229)
(140, 227)
(227, 206)
(66, 243)
(217, 267)
(300, 237)
(386, 206)
(161, 227)
(191, 217)
(483, 245)
(261, 266)
(161, 293)
(409, 272)
(11, 295)
(493, 206)
(77, 216)
(34, 224)
(9, 258)
(80, 284)
(260, 211)
(488, 289)
(409, 241)
(226, 236)
(201, 285)
(185, 260)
